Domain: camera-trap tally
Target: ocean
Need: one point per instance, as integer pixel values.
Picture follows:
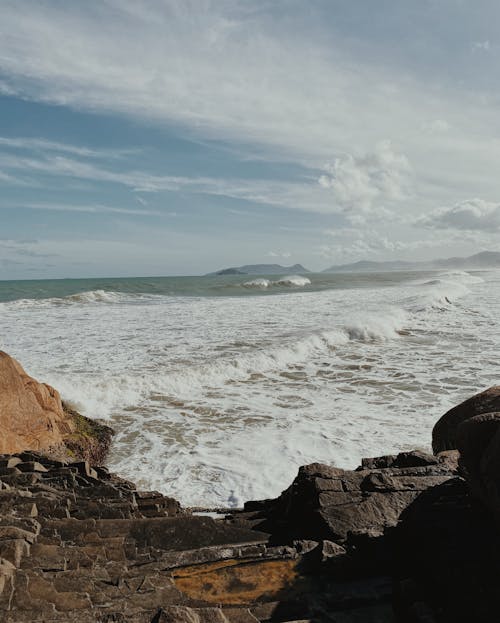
(219, 388)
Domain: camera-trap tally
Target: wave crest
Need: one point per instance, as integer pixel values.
(290, 281)
(81, 298)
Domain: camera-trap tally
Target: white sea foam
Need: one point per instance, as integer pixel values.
(94, 296)
(439, 293)
(291, 281)
(460, 276)
(80, 298)
(257, 283)
(385, 326)
(218, 400)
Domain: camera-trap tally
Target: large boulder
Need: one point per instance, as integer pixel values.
(33, 417)
(479, 444)
(444, 434)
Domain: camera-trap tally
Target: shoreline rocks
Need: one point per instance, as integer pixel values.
(33, 417)
(407, 538)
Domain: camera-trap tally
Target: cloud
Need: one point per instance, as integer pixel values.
(20, 249)
(484, 46)
(39, 144)
(318, 85)
(218, 68)
(300, 195)
(470, 215)
(350, 244)
(10, 179)
(90, 208)
(283, 254)
(360, 183)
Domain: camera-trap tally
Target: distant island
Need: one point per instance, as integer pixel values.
(261, 269)
(486, 259)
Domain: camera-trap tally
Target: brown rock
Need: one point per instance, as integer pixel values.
(32, 417)
(444, 434)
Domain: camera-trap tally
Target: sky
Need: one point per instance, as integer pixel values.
(175, 137)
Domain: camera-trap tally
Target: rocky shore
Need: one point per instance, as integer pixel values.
(412, 538)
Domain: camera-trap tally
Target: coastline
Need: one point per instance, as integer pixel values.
(218, 412)
(80, 544)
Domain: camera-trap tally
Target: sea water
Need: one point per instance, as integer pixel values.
(219, 388)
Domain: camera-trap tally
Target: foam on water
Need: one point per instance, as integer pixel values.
(291, 281)
(80, 298)
(257, 283)
(219, 399)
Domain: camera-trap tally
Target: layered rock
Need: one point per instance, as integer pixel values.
(33, 417)
(326, 502)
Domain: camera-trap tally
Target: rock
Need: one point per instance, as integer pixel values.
(32, 417)
(444, 434)
(327, 503)
(449, 459)
(446, 557)
(415, 458)
(478, 441)
(329, 550)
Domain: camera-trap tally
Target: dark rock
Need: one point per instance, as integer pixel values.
(479, 444)
(379, 462)
(444, 434)
(446, 558)
(325, 502)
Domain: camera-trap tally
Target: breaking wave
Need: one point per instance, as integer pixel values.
(440, 293)
(292, 281)
(81, 298)
(102, 396)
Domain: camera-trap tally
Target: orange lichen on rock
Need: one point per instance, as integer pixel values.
(233, 582)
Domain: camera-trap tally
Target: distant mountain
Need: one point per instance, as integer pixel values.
(486, 259)
(262, 269)
(229, 271)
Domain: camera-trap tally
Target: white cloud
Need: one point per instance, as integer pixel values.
(470, 215)
(283, 254)
(352, 244)
(262, 85)
(485, 46)
(40, 144)
(217, 67)
(89, 208)
(306, 195)
(360, 183)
